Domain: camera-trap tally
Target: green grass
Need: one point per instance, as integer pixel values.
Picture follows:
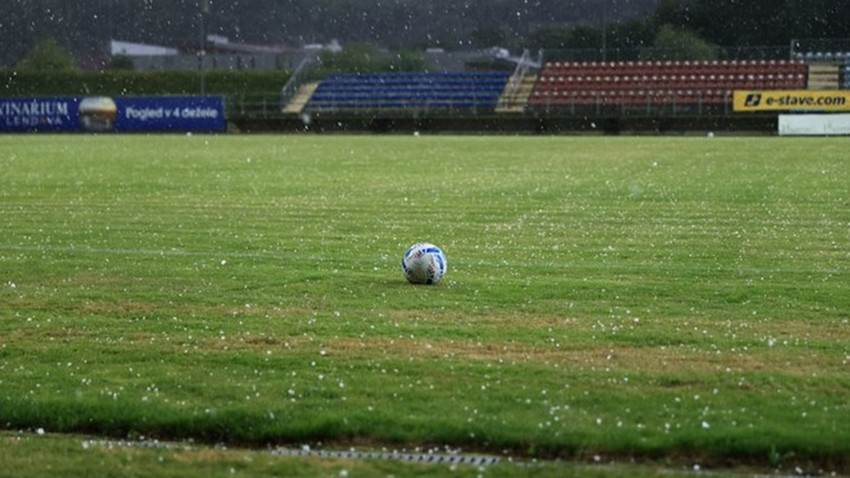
(672, 299)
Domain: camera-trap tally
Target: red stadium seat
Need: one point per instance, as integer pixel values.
(662, 82)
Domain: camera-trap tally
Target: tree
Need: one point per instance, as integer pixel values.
(670, 12)
(408, 61)
(678, 44)
(735, 23)
(354, 58)
(768, 22)
(47, 55)
(631, 35)
(562, 37)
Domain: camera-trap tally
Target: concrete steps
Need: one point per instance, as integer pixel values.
(823, 76)
(515, 96)
(299, 100)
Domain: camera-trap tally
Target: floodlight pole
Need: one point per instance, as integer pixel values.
(604, 33)
(202, 52)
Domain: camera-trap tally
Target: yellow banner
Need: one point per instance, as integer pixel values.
(791, 100)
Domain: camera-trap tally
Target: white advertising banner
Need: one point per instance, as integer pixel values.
(814, 125)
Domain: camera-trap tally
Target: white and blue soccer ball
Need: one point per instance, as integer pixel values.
(424, 263)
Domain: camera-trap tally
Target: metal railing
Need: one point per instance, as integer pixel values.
(670, 104)
(519, 73)
(291, 87)
(266, 107)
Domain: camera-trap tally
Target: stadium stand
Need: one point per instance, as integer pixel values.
(353, 92)
(660, 82)
(845, 82)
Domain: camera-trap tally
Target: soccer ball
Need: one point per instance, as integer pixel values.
(424, 263)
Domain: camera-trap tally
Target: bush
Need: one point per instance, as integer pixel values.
(25, 82)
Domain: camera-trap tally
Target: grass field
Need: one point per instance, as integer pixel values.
(676, 301)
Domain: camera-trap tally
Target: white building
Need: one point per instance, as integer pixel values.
(139, 49)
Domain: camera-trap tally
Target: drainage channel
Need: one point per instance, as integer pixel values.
(418, 457)
(437, 458)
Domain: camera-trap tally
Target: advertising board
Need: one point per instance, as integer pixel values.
(814, 125)
(188, 113)
(791, 100)
(39, 114)
(122, 114)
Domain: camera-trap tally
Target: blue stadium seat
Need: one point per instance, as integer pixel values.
(464, 90)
